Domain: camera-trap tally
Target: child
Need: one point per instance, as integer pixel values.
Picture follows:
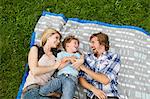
(66, 79)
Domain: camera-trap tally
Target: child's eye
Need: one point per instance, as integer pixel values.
(57, 37)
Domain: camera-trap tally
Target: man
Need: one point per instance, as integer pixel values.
(100, 70)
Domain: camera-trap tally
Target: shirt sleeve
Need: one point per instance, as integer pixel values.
(113, 67)
(78, 55)
(59, 56)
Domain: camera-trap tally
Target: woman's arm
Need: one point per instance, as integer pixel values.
(63, 62)
(33, 63)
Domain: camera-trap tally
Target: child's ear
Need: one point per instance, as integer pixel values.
(67, 45)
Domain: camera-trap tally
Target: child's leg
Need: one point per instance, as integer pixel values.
(68, 88)
(50, 87)
(34, 94)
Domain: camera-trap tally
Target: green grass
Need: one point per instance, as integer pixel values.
(18, 19)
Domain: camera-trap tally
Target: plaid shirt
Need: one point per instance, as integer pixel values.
(108, 64)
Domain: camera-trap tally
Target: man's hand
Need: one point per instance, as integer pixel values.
(98, 93)
(78, 62)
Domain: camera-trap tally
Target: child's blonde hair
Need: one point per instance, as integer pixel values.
(46, 34)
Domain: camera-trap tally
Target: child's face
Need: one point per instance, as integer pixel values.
(72, 46)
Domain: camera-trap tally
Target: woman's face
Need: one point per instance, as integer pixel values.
(54, 40)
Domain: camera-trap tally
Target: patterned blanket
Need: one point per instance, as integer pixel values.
(132, 43)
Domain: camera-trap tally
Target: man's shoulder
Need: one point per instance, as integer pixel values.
(89, 56)
(113, 55)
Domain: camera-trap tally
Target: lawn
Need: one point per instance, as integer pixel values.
(18, 19)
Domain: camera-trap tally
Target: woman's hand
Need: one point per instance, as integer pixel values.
(73, 59)
(64, 62)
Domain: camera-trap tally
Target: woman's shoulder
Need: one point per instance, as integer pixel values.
(34, 48)
(39, 50)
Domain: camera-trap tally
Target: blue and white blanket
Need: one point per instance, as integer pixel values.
(132, 43)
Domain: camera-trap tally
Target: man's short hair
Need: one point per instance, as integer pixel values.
(102, 38)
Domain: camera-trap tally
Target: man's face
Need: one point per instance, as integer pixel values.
(95, 46)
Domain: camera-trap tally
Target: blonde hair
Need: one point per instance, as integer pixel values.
(46, 34)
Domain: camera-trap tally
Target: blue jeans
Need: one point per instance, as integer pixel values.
(34, 94)
(67, 84)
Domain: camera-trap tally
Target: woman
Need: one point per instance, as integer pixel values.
(42, 64)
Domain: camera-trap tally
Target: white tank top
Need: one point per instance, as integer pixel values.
(43, 78)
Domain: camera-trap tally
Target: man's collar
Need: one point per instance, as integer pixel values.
(103, 54)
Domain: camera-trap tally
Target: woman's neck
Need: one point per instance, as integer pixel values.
(47, 50)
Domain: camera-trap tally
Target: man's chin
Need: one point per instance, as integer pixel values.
(94, 51)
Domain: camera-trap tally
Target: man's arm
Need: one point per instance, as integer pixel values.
(97, 92)
(96, 76)
(109, 73)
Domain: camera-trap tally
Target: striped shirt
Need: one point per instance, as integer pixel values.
(108, 64)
